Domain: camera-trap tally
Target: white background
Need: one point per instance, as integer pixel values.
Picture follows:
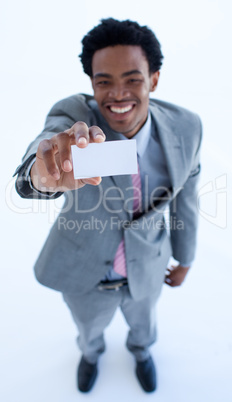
(40, 42)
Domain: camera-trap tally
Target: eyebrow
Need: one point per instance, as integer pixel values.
(126, 74)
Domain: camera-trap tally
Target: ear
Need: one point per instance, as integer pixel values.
(154, 78)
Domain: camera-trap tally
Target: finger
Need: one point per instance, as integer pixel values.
(46, 152)
(170, 282)
(81, 132)
(96, 134)
(94, 181)
(63, 142)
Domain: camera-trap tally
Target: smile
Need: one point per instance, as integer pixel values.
(120, 110)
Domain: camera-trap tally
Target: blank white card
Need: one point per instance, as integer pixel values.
(108, 158)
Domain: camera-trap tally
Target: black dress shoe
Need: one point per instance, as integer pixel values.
(86, 375)
(146, 374)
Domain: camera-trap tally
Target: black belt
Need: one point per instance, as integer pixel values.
(112, 285)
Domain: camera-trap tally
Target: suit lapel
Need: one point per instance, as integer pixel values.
(172, 146)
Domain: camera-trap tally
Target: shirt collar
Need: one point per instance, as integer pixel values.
(142, 137)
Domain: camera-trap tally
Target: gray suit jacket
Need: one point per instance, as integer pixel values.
(73, 261)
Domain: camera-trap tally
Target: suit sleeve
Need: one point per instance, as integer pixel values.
(184, 213)
(60, 118)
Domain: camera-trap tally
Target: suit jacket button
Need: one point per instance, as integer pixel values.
(126, 225)
(108, 262)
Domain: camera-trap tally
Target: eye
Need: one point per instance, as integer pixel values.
(134, 80)
(102, 83)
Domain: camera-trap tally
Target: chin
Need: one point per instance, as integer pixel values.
(120, 128)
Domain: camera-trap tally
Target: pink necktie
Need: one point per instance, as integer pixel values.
(120, 258)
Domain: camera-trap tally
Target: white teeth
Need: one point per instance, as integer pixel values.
(125, 109)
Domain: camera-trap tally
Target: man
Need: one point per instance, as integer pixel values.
(119, 254)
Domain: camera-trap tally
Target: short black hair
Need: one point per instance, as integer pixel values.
(112, 32)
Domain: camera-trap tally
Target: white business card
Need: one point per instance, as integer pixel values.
(108, 158)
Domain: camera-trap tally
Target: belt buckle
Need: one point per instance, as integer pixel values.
(112, 285)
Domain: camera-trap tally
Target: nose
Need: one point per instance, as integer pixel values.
(119, 92)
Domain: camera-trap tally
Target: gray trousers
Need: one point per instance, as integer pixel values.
(94, 311)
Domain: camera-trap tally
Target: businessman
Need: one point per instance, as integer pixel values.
(121, 261)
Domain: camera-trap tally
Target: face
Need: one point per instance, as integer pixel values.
(121, 82)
